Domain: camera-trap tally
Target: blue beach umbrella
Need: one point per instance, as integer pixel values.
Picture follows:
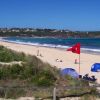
(69, 71)
(95, 67)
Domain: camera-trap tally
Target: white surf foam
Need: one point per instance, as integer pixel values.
(49, 45)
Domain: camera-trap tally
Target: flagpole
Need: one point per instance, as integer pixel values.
(76, 49)
(79, 63)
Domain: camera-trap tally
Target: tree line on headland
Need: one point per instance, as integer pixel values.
(31, 32)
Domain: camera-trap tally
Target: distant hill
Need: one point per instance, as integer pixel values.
(30, 32)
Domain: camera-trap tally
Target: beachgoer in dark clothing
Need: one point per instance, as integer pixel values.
(86, 77)
(93, 78)
(80, 76)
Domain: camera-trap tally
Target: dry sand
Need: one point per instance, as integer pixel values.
(68, 58)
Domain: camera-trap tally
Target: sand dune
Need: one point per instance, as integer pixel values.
(51, 55)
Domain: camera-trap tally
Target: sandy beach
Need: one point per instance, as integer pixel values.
(68, 58)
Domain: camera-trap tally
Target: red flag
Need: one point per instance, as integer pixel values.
(75, 48)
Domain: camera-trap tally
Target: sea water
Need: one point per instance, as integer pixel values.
(87, 44)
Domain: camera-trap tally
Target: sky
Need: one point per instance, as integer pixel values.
(76, 15)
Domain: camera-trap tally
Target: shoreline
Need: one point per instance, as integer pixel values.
(55, 47)
(50, 55)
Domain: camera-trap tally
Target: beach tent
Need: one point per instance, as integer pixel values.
(95, 67)
(69, 71)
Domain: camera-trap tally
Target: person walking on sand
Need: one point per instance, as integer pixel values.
(76, 61)
(37, 52)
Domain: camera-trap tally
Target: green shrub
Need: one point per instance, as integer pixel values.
(7, 55)
(76, 82)
(14, 92)
(32, 72)
(44, 78)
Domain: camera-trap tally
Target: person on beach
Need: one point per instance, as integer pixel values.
(76, 61)
(57, 60)
(93, 78)
(37, 52)
(41, 55)
(86, 77)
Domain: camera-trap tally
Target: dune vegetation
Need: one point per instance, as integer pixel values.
(32, 77)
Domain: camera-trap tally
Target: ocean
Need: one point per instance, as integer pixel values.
(87, 44)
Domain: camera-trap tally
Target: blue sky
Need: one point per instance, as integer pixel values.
(80, 15)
